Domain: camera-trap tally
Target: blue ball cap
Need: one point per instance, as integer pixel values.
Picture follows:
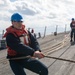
(16, 17)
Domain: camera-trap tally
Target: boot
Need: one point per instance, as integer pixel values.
(71, 40)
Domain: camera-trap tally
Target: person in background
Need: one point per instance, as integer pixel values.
(21, 43)
(32, 32)
(72, 25)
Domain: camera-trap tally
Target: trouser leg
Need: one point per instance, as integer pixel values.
(16, 68)
(35, 66)
(71, 35)
(74, 36)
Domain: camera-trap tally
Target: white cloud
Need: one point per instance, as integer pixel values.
(38, 12)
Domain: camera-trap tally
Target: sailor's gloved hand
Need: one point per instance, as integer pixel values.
(38, 54)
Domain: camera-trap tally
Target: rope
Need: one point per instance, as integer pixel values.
(18, 58)
(72, 61)
(68, 60)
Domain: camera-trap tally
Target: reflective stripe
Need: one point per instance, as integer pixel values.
(26, 37)
(26, 40)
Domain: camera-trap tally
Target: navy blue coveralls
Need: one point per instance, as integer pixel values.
(72, 25)
(18, 66)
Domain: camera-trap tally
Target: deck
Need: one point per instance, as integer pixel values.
(53, 46)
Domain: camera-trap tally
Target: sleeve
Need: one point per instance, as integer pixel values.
(34, 43)
(71, 25)
(15, 44)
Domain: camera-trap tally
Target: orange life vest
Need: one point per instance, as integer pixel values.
(17, 32)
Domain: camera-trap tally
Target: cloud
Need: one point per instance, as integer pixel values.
(38, 12)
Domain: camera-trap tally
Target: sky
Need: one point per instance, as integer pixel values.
(38, 13)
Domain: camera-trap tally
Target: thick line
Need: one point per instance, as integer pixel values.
(62, 59)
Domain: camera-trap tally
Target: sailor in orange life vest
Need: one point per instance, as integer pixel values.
(21, 42)
(72, 25)
(32, 32)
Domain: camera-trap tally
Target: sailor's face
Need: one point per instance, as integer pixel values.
(17, 24)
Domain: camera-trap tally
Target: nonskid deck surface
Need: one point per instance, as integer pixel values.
(53, 46)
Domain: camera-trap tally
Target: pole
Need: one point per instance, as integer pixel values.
(65, 28)
(45, 31)
(2, 34)
(56, 28)
(55, 33)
